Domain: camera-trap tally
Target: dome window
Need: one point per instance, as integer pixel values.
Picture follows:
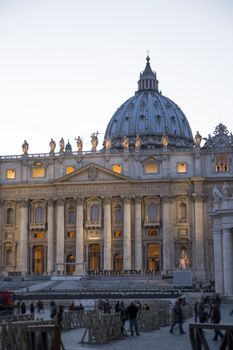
(182, 168)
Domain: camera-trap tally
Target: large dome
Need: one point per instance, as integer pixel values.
(150, 115)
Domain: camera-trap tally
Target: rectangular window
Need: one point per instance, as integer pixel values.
(70, 169)
(221, 163)
(10, 173)
(151, 168)
(182, 167)
(117, 168)
(117, 233)
(71, 234)
(37, 172)
(39, 235)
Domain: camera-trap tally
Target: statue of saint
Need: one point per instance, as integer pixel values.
(94, 141)
(25, 147)
(197, 139)
(217, 194)
(52, 145)
(62, 145)
(165, 140)
(79, 143)
(107, 143)
(225, 188)
(184, 261)
(138, 142)
(125, 142)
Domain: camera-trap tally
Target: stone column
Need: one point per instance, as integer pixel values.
(107, 235)
(24, 237)
(199, 237)
(218, 270)
(50, 250)
(167, 238)
(227, 261)
(79, 238)
(127, 235)
(138, 233)
(60, 236)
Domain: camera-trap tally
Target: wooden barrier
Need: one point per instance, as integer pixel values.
(198, 339)
(15, 318)
(101, 328)
(15, 335)
(73, 319)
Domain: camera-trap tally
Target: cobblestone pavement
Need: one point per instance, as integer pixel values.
(159, 339)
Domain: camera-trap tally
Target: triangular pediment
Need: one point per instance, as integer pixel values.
(92, 173)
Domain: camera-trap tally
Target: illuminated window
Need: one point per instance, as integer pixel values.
(117, 233)
(221, 163)
(70, 169)
(38, 172)
(71, 234)
(151, 168)
(181, 167)
(39, 235)
(117, 168)
(10, 174)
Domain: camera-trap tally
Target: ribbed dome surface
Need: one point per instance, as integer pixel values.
(151, 115)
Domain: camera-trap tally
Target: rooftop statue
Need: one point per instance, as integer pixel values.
(79, 143)
(197, 139)
(94, 140)
(165, 140)
(138, 142)
(25, 147)
(62, 145)
(225, 188)
(125, 142)
(52, 145)
(107, 143)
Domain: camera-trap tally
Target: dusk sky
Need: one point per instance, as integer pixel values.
(67, 65)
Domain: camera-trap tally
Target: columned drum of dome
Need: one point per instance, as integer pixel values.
(151, 115)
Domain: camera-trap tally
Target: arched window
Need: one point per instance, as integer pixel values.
(94, 212)
(152, 212)
(117, 214)
(39, 215)
(71, 217)
(183, 212)
(9, 216)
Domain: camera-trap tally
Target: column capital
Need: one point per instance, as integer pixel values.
(138, 200)
(168, 198)
(51, 202)
(60, 201)
(198, 197)
(79, 201)
(107, 200)
(127, 199)
(23, 203)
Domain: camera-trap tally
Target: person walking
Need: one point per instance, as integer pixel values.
(178, 317)
(60, 315)
(132, 312)
(32, 309)
(215, 316)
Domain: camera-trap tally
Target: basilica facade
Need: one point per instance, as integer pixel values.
(153, 199)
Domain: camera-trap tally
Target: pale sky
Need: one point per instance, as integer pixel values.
(67, 65)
